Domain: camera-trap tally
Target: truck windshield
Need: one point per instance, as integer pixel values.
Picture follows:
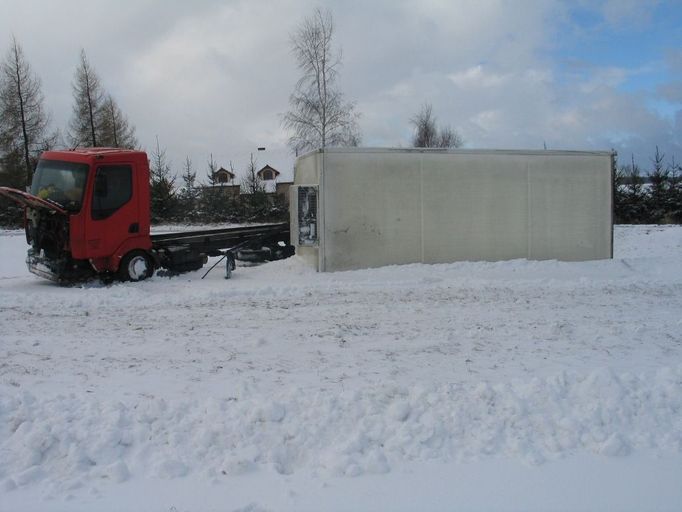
(61, 182)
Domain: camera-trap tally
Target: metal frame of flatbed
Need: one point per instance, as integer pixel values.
(215, 241)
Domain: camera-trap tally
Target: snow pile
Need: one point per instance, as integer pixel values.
(68, 440)
(283, 371)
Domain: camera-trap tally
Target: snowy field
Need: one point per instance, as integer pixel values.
(472, 386)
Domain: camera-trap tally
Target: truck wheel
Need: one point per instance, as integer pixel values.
(135, 266)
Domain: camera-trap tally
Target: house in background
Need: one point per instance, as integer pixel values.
(268, 175)
(230, 185)
(222, 176)
(224, 179)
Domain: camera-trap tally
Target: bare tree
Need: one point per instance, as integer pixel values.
(318, 115)
(427, 134)
(23, 119)
(448, 138)
(115, 130)
(88, 97)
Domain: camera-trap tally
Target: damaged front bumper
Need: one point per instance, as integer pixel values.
(61, 271)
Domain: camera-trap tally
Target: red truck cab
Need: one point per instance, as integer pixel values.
(90, 212)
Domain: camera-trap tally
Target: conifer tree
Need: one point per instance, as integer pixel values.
(115, 130)
(162, 183)
(23, 118)
(88, 96)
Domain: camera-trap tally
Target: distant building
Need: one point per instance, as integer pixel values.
(268, 173)
(223, 176)
(224, 181)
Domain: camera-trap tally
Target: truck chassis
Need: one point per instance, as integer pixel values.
(49, 255)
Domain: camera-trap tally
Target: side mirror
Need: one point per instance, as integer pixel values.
(101, 186)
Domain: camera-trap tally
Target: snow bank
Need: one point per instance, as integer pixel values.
(67, 440)
(283, 371)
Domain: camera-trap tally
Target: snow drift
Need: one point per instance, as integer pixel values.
(282, 371)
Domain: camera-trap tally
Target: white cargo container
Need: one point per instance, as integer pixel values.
(357, 208)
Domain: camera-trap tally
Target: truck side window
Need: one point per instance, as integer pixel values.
(113, 189)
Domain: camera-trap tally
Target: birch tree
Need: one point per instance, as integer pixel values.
(318, 115)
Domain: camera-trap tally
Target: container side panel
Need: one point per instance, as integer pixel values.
(570, 205)
(307, 169)
(475, 207)
(372, 210)
(293, 215)
(309, 255)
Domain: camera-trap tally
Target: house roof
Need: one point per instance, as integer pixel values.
(222, 170)
(267, 167)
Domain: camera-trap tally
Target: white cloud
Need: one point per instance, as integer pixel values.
(213, 76)
(476, 77)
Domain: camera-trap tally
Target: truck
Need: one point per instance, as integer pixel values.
(88, 214)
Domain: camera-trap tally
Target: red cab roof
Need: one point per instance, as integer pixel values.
(87, 153)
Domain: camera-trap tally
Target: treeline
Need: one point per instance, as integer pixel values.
(195, 202)
(26, 126)
(653, 197)
(26, 130)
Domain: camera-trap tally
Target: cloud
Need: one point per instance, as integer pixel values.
(671, 92)
(213, 76)
(628, 12)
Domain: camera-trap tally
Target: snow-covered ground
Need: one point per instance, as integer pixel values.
(472, 386)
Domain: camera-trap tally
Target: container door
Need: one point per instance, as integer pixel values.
(307, 216)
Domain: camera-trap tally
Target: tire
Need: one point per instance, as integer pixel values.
(136, 266)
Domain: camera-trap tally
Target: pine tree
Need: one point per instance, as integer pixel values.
(115, 130)
(634, 195)
(619, 206)
(212, 168)
(163, 197)
(12, 174)
(88, 95)
(256, 200)
(658, 197)
(189, 194)
(216, 203)
(23, 119)
(675, 192)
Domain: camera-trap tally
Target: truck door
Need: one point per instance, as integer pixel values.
(114, 215)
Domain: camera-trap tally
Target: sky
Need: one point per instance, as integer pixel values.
(212, 77)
